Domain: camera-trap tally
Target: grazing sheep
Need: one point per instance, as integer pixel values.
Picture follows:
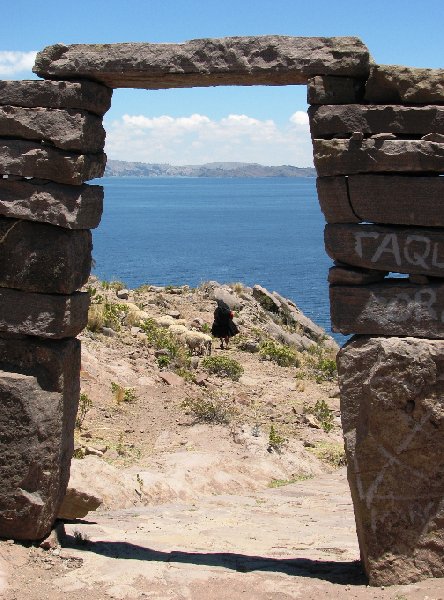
(198, 342)
(178, 329)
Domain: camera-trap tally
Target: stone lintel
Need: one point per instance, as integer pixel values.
(328, 89)
(394, 307)
(69, 206)
(398, 84)
(267, 60)
(86, 95)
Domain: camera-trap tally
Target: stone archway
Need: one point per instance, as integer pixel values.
(378, 136)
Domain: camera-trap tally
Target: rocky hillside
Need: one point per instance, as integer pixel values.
(120, 168)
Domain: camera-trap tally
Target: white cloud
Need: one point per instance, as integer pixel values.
(198, 139)
(12, 62)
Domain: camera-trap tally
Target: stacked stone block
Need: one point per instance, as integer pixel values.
(51, 142)
(379, 153)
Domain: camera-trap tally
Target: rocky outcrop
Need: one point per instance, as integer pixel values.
(272, 60)
(393, 421)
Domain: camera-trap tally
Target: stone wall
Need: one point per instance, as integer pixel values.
(379, 153)
(378, 140)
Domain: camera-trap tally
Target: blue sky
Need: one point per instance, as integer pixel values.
(252, 124)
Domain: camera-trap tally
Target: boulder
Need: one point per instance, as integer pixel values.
(68, 129)
(393, 420)
(397, 84)
(272, 60)
(36, 444)
(37, 257)
(267, 300)
(87, 95)
(227, 296)
(30, 159)
(78, 502)
(72, 207)
(346, 157)
(412, 200)
(53, 316)
(328, 89)
(327, 121)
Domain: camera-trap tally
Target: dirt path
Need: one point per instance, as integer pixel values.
(297, 541)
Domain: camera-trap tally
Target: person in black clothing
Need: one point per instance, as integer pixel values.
(223, 326)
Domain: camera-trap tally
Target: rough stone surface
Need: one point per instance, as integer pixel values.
(354, 276)
(405, 200)
(272, 60)
(29, 159)
(36, 435)
(392, 407)
(344, 157)
(37, 257)
(397, 84)
(43, 315)
(77, 503)
(325, 89)
(87, 95)
(68, 129)
(328, 121)
(396, 249)
(72, 207)
(267, 300)
(394, 307)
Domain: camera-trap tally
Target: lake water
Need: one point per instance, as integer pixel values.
(175, 231)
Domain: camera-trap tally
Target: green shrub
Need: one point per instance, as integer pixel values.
(277, 483)
(113, 285)
(209, 409)
(85, 404)
(223, 366)
(106, 314)
(162, 339)
(318, 363)
(324, 415)
(122, 394)
(281, 355)
(275, 441)
(330, 452)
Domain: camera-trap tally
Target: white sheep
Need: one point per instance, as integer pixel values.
(198, 342)
(178, 329)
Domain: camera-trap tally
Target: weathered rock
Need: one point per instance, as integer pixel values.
(72, 207)
(393, 420)
(29, 159)
(327, 121)
(354, 276)
(87, 95)
(397, 84)
(346, 157)
(53, 316)
(276, 60)
(397, 249)
(78, 502)
(412, 200)
(171, 378)
(227, 296)
(68, 129)
(37, 257)
(55, 363)
(295, 340)
(327, 89)
(266, 300)
(36, 433)
(395, 307)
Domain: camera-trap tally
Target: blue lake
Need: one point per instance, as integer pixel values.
(173, 231)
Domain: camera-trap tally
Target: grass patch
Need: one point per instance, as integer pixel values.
(122, 394)
(281, 355)
(177, 357)
(318, 363)
(209, 409)
(332, 453)
(106, 314)
(277, 483)
(223, 366)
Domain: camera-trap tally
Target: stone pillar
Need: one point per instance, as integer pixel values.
(379, 151)
(51, 142)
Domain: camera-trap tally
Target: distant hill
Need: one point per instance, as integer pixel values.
(120, 168)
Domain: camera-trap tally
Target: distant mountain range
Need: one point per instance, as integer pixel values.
(120, 168)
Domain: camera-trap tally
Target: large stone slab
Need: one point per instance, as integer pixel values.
(392, 399)
(394, 307)
(53, 316)
(68, 129)
(397, 84)
(327, 89)
(405, 200)
(327, 121)
(39, 405)
(397, 249)
(347, 157)
(37, 257)
(269, 60)
(87, 95)
(353, 275)
(29, 159)
(69, 206)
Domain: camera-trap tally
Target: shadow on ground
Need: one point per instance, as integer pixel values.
(343, 572)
